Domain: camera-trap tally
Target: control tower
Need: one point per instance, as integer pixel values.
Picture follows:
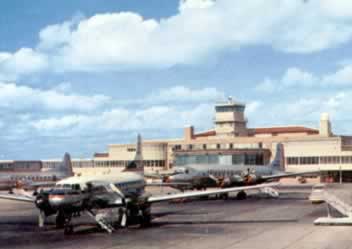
(229, 119)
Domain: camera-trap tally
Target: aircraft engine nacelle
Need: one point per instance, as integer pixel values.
(235, 180)
(42, 203)
(180, 170)
(250, 179)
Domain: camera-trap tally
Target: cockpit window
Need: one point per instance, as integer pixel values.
(66, 189)
(76, 187)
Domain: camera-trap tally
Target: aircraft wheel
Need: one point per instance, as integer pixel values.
(146, 218)
(224, 196)
(68, 230)
(146, 221)
(241, 195)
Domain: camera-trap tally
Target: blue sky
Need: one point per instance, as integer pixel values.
(78, 75)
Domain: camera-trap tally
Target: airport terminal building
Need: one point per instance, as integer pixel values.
(229, 142)
(232, 142)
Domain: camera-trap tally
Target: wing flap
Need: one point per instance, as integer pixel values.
(153, 199)
(167, 184)
(283, 175)
(13, 197)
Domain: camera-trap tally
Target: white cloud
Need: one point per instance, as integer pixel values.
(342, 76)
(58, 123)
(151, 118)
(19, 97)
(306, 110)
(126, 40)
(344, 62)
(53, 36)
(160, 111)
(266, 86)
(195, 4)
(253, 106)
(295, 77)
(185, 94)
(340, 8)
(63, 87)
(24, 61)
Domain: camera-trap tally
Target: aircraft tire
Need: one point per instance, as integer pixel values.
(241, 195)
(146, 221)
(68, 230)
(224, 196)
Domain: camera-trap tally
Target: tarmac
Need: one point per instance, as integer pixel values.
(258, 222)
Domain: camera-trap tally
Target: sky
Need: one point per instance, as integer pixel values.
(78, 75)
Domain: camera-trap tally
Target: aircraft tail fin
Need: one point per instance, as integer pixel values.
(67, 165)
(137, 164)
(278, 162)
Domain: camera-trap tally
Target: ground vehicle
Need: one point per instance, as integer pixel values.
(317, 195)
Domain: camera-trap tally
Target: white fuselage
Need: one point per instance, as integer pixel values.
(129, 183)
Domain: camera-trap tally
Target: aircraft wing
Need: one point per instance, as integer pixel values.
(153, 199)
(14, 197)
(152, 175)
(283, 175)
(167, 184)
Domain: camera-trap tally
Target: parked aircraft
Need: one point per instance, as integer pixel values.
(27, 178)
(209, 175)
(123, 194)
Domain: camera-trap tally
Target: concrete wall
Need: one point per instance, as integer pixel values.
(325, 147)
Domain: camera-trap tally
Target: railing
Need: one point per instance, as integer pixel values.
(339, 205)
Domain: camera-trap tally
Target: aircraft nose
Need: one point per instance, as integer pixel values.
(56, 200)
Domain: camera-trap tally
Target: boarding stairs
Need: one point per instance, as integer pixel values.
(102, 220)
(340, 200)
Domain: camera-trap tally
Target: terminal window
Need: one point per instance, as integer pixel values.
(229, 108)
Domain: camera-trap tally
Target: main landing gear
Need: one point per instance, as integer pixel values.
(68, 227)
(145, 219)
(63, 220)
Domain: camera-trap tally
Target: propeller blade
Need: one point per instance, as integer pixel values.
(216, 180)
(116, 190)
(41, 218)
(124, 219)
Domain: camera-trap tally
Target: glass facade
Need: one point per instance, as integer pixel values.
(237, 108)
(244, 159)
(319, 160)
(120, 163)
